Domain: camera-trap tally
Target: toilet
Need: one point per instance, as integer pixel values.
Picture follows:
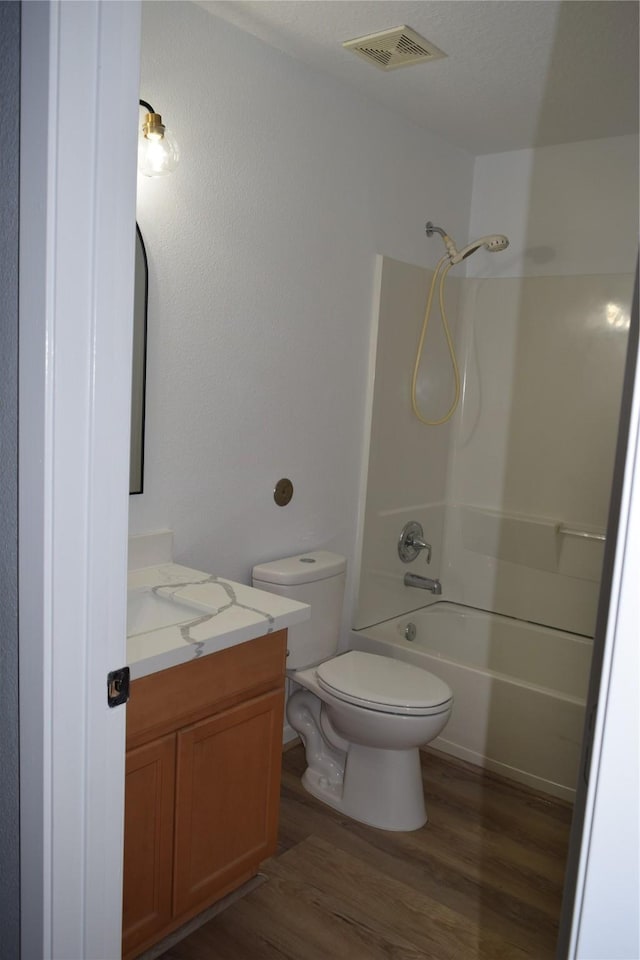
(361, 717)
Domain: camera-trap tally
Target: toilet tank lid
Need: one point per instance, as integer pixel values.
(303, 568)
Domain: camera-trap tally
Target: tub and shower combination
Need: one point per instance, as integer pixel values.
(521, 688)
(479, 448)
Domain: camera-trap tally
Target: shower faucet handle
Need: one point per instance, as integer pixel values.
(412, 542)
(421, 544)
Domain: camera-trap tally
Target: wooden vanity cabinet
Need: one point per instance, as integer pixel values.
(228, 780)
(148, 839)
(204, 747)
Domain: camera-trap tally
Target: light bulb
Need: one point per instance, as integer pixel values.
(158, 152)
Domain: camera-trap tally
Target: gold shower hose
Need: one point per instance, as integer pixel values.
(452, 352)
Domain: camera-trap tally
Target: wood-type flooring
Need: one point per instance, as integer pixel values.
(483, 879)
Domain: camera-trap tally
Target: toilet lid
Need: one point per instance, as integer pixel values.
(381, 683)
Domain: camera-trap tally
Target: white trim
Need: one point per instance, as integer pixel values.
(605, 915)
(80, 68)
(366, 442)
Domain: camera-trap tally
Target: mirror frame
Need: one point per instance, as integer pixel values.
(139, 367)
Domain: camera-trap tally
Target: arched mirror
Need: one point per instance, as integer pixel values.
(138, 373)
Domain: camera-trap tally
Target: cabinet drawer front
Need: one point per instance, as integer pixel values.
(173, 698)
(148, 840)
(228, 784)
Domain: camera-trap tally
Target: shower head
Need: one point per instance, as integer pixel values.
(494, 242)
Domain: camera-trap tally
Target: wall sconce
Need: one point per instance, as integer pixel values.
(158, 152)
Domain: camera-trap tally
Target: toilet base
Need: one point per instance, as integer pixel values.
(382, 788)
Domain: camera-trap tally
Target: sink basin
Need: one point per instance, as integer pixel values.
(147, 611)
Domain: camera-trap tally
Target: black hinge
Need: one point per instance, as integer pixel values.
(118, 687)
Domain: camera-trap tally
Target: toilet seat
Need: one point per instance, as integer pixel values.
(383, 685)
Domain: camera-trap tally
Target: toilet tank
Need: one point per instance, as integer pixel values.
(316, 578)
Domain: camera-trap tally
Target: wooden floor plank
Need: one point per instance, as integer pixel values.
(441, 871)
(322, 923)
(229, 938)
(434, 930)
(496, 858)
(481, 881)
(529, 815)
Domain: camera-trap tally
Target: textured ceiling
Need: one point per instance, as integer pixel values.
(518, 73)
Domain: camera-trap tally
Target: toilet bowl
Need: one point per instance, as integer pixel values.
(363, 756)
(361, 717)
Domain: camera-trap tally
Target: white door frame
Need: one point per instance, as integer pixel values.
(80, 69)
(79, 114)
(605, 921)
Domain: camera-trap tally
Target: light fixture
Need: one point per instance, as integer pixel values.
(158, 152)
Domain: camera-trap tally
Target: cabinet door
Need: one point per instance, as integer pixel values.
(148, 840)
(227, 797)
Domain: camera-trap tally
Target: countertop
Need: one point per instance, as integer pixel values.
(209, 614)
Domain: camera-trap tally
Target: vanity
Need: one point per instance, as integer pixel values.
(204, 743)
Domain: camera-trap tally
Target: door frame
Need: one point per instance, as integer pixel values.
(602, 881)
(79, 114)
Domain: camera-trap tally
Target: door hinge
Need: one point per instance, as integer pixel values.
(118, 687)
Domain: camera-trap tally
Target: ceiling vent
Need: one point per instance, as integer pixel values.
(398, 47)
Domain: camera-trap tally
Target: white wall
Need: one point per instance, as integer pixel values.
(567, 209)
(262, 251)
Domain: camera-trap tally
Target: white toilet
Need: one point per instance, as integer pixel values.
(361, 717)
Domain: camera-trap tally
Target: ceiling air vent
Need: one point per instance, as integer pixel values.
(398, 47)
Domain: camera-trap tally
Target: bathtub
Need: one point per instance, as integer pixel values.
(519, 689)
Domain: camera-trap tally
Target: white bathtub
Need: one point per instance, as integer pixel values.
(519, 689)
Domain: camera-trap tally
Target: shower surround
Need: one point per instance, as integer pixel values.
(513, 491)
(512, 494)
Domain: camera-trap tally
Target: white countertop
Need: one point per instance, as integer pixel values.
(206, 614)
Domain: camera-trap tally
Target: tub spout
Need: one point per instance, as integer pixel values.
(424, 583)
